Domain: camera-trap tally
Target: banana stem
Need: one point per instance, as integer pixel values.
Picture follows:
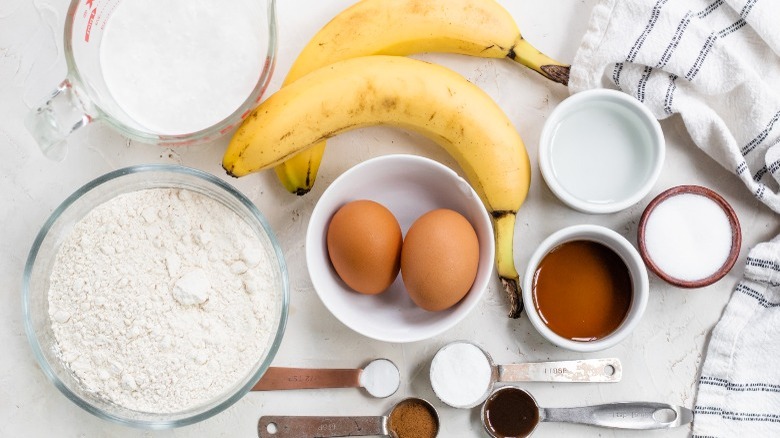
(526, 54)
(514, 294)
(504, 227)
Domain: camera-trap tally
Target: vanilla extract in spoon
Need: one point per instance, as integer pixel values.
(511, 412)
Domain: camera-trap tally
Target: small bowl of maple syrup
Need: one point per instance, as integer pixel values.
(585, 288)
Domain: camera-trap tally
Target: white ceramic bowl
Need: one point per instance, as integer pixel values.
(408, 186)
(630, 257)
(601, 151)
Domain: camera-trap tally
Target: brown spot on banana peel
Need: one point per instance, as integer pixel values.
(389, 103)
(302, 191)
(501, 213)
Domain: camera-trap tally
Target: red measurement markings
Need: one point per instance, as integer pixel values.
(89, 24)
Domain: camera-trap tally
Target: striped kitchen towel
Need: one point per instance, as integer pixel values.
(739, 387)
(715, 62)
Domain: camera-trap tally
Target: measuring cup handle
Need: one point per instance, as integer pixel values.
(276, 378)
(63, 112)
(630, 415)
(305, 427)
(584, 371)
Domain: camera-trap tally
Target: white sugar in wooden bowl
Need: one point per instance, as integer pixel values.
(689, 236)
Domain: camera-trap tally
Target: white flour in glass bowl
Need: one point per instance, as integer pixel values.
(161, 300)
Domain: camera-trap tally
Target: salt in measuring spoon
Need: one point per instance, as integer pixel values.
(380, 378)
(397, 424)
(512, 412)
(463, 374)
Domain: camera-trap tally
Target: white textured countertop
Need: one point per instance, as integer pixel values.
(661, 358)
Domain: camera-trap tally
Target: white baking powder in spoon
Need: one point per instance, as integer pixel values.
(380, 378)
(688, 236)
(461, 374)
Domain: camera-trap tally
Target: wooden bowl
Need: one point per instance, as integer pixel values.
(736, 236)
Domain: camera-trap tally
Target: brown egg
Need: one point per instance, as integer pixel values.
(364, 245)
(439, 259)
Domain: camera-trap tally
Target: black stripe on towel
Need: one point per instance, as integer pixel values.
(767, 170)
(762, 263)
(654, 14)
(675, 40)
(737, 25)
(640, 92)
(710, 9)
(760, 174)
(670, 95)
(710, 42)
(682, 27)
(774, 167)
(752, 144)
(759, 194)
(747, 8)
(739, 387)
(616, 73)
(752, 293)
(736, 416)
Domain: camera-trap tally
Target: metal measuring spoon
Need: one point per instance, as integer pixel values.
(380, 378)
(513, 412)
(325, 427)
(445, 377)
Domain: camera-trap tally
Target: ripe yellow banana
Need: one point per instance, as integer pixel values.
(410, 94)
(480, 28)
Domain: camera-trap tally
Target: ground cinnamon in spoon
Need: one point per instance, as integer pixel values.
(413, 419)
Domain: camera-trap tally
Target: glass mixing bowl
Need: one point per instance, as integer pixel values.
(41, 260)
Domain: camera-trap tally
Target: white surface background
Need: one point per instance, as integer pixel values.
(661, 359)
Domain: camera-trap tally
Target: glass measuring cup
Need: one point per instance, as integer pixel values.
(463, 364)
(392, 424)
(83, 96)
(380, 378)
(512, 412)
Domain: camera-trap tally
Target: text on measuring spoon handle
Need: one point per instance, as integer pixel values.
(587, 370)
(629, 415)
(301, 426)
(276, 378)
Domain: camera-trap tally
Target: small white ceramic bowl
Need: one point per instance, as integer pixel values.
(630, 257)
(601, 151)
(408, 186)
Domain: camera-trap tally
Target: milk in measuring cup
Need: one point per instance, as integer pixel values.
(179, 66)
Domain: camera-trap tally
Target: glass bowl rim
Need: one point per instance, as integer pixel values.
(55, 216)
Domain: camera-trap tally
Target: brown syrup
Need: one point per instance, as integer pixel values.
(582, 290)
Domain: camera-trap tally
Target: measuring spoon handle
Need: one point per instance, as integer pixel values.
(588, 370)
(630, 415)
(319, 427)
(307, 378)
